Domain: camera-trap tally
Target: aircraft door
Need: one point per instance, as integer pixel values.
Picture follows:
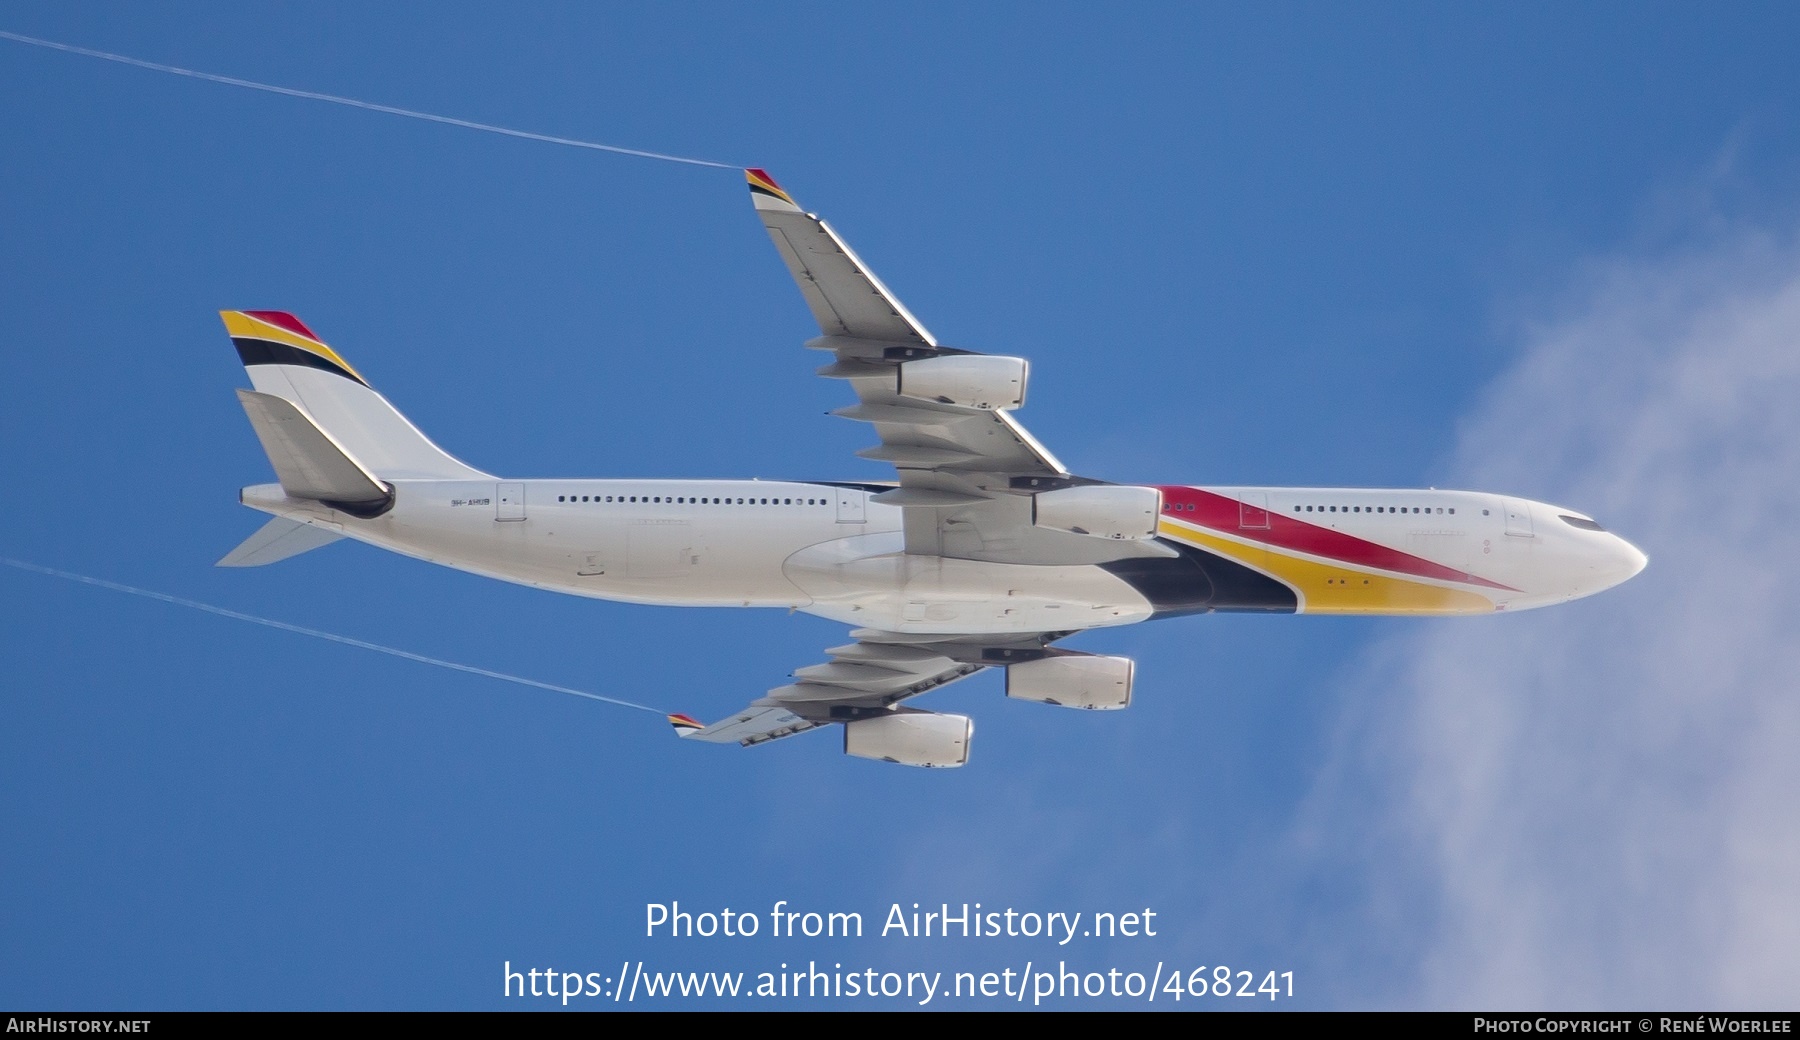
(850, 505)
(1518, 517)
(1253, 511)
(509, 502)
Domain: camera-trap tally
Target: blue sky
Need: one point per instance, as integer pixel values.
(1402, 245)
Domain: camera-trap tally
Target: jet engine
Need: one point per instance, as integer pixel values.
(1073, 681)
(911, 738)
(970, 380)
(1099, 510)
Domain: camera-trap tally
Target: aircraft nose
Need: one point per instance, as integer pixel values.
(1638, 560)
(1623, 561)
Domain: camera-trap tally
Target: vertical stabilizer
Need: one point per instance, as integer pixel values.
(286, 359)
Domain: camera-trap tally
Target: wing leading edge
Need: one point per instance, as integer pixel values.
(862, 687)
(861, 679)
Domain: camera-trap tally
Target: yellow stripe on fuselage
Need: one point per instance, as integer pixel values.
(237, 323)
(1334, 589)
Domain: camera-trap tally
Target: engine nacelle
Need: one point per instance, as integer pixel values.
(911, 738)
(1099, 510)
(1073, 681)
(970, 380)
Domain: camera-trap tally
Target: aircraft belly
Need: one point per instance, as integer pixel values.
(869, 581)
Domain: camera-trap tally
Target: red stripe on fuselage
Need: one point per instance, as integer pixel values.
(1222, 514)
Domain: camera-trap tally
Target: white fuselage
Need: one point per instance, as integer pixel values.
(828, 550)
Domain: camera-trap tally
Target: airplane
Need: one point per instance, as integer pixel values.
(985, 552)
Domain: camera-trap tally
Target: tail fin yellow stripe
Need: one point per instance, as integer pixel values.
(241, 325)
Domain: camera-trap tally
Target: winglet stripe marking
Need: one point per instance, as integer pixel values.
(760, 180)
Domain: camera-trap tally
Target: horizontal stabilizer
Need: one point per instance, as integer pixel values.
(277, 540)
(308, 461)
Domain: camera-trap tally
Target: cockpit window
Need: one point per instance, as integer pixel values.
(1576, 521)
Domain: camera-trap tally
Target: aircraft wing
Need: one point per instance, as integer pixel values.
(861, 680)
(845, 296)
(967, 468)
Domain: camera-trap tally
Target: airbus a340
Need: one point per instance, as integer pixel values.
(984, 553)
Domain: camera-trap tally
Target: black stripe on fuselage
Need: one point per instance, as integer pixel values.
(268, 352)
(1199, 582)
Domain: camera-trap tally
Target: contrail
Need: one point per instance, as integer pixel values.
(312, 95)
(316, 634)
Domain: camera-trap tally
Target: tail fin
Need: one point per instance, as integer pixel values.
(286, 360)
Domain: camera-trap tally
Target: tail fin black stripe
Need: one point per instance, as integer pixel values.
(266, 352)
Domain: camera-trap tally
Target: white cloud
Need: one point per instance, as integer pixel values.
(1598, 805)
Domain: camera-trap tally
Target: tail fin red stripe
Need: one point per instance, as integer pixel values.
(284, 320)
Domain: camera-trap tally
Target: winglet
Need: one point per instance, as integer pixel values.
(685, 726)
(766, 194)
